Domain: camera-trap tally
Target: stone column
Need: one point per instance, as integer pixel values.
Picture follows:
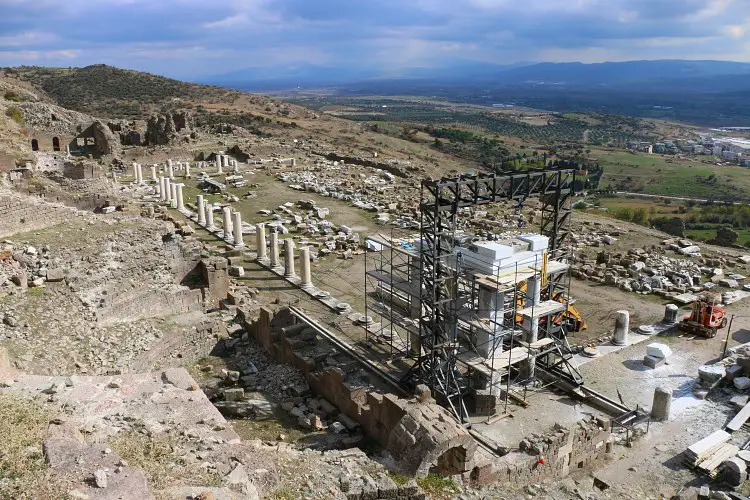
(210, 217)
(162, 190)
(237, 226)
(170, 169)
(304, 267)
(227, 222)
(180, 200)
(531, 325)
(187, 169)
(235, 166)
(114, 177)
(274, 249)
(139, 173)
(173, 195)
(135, 172)
(670, 314)
(289, 258)
(153, 173)
(168, 189)
(662, 403)
(294, 162)
(201, 210)
(622, 326)
(218, 164)
(260, 240)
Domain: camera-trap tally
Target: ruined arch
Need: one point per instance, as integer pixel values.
(55, 144)
(34, 145)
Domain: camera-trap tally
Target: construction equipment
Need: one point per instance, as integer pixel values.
(571, 318)
(706, 317)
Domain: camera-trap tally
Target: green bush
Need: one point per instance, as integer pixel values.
(13, 97)
(15, 114)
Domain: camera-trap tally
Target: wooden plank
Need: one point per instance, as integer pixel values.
(705, 446)
(739, 420)
(723, 453)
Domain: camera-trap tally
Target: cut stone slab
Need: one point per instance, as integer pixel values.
(739, 402)
(711, 373)
(742, 383)
(658, 350)
(234, 394)
(653, 361)
(734, 371)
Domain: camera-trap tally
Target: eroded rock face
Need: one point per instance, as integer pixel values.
(165, 129)
(107, 143)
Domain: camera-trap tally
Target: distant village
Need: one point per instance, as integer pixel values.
(730, 150)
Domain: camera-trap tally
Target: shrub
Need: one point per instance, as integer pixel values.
(15, 114)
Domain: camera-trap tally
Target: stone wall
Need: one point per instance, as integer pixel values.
(420, 434)
(550, 456)
(20, 214)
(140, 303)
(80, 171)
(190, 344)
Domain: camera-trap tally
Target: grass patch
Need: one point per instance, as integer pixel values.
(157, 457)
(23, 470)
(15, 114)
(284, 493)
(437, 486)
(36, 292)
(399, 479)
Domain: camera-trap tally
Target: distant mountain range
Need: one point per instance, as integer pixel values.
(611, 74)
(715, 93)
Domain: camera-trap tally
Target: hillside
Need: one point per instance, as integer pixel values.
(106, 91)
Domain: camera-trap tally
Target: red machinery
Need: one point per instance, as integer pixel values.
(706, 317)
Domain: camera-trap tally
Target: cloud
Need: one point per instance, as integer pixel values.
(189, 38)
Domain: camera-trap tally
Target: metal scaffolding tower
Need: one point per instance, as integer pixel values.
(442, 289)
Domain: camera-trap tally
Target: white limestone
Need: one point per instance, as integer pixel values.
(304, 266)
(227, 223)
(210, 217)
(153, 173)
(201, 210)
(173, 195)
(260, 240)
(170, 169)
(289, 258)
(180, 200)
(274, 249)
(238, 230)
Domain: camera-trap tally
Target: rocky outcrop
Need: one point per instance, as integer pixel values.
(106, 142)
(168, 128)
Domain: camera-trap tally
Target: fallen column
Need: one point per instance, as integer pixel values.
(304, 267)
(662, 403)
(201, 210)
(238, 230)
(260, 240)
(622, 326)
(289, 258)
(670, 314)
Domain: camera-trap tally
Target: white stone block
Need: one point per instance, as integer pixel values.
(742, 383)
(658, 350)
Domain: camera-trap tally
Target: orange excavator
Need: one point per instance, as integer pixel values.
(706, 317)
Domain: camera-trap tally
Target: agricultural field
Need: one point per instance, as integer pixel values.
(701, 221)
(668, 176)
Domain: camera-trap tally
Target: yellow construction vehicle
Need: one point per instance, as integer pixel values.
(571, 317)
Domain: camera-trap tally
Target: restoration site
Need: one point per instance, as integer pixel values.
(354, 252)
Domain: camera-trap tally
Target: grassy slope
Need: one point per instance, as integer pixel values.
(653, 174)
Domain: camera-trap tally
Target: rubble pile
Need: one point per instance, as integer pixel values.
(652, 270)
(310, 222)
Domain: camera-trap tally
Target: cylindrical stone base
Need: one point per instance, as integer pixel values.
(622, 326)
(670, 314)
(662, 403)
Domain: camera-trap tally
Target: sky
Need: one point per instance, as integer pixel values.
(192, 39)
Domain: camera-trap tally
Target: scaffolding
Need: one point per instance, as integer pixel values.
(474, 334)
